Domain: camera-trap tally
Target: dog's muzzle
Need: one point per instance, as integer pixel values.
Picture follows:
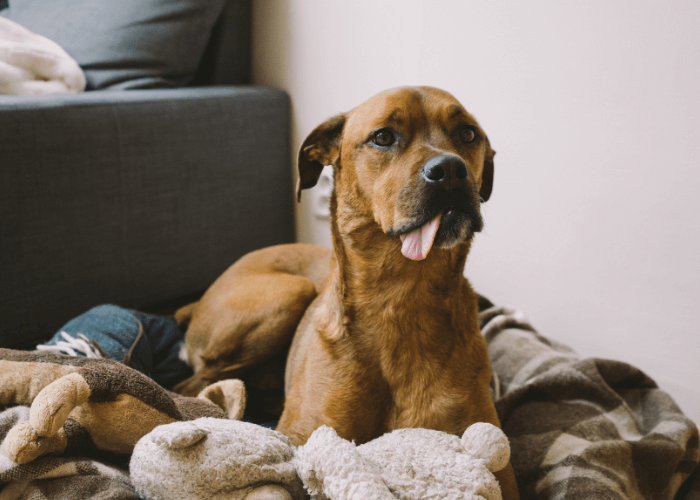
(447, 179)
(446, 172)
(449, 212)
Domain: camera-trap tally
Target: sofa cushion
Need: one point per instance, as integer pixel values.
(127, 44)
(134, 198)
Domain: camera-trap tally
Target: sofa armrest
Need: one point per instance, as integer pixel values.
(134, 197)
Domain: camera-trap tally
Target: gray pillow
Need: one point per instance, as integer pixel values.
(125, 44)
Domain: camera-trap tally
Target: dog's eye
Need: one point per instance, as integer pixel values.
(383, 138)
(467, 135)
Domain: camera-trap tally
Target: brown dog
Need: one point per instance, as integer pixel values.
(384, 327)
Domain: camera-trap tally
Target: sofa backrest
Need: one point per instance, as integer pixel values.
(226, 60)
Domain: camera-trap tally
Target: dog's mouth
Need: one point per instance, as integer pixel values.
(417, 243)
(445, 230)
(436, 218)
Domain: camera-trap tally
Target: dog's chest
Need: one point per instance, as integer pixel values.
(429, 408)
(425, 388)
(435, 380)
(424, 355)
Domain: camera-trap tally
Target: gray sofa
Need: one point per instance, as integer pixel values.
(139, 198)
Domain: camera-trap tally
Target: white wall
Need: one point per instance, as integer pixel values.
(594, 109)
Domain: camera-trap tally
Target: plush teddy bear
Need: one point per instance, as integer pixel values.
(408, 464)
(224, 459)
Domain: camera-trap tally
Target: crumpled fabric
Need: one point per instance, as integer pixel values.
(31, 64)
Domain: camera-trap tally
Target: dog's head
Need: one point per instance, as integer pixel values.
(413, 160)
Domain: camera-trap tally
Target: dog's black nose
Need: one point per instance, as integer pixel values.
(447, 172)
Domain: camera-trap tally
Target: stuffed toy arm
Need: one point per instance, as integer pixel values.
(488, 443)
(332, 468)
(44, 432)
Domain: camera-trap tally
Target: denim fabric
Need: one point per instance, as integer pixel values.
(164, 339)
(116, 329)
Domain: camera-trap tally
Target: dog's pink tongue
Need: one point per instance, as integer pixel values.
(418, 242)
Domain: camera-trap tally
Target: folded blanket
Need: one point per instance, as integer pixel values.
(586, 428)
(57, 477)
(31, 64)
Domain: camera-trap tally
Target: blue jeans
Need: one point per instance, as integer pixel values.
(150, 343)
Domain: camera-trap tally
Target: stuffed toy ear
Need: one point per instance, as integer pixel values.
(178, 438)
(489, 443)
(229, 395)
(320, 148)
(331, 467)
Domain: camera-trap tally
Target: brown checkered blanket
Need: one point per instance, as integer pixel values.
(579, 429)
(586, 428)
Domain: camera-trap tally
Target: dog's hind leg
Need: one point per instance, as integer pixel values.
(185, 313)
(251, 312)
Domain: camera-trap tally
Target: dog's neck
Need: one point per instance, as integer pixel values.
(406, 320)
(374, 278)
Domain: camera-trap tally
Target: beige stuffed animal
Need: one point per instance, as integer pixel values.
(213, 459)
(224, 459)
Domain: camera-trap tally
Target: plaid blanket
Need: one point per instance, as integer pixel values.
(586, 428)
(58, 477)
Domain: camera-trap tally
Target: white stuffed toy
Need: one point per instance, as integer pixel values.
(408, 464)
(226, 459)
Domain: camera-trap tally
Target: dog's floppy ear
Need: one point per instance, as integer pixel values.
(321, 147)
(487, 174)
